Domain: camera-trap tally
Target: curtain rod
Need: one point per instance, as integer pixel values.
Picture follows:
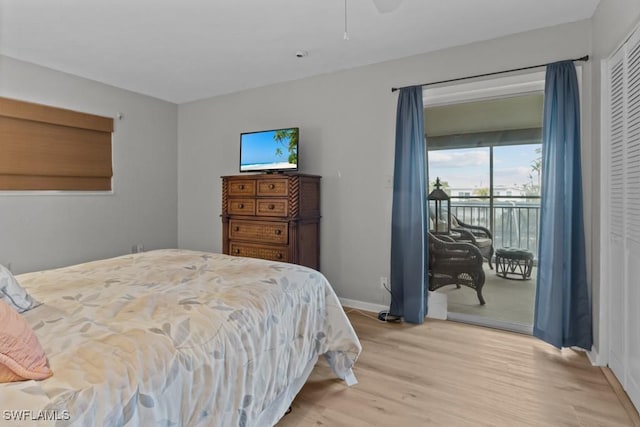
(584, 58)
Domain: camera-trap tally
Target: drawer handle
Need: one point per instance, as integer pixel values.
(237, 251)
(279, 255)
(278, 232)
(272, 207)
(236, 228)
(240, 205)
(241, 186)
(271, 186)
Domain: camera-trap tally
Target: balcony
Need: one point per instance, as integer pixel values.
(514, 223)
(509, 304)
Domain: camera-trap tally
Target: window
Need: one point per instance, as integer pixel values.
(49, 148)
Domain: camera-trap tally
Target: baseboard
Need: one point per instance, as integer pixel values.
(438, 310)
(361, 305)
(437, 306)
(595, 358)
(622, 396)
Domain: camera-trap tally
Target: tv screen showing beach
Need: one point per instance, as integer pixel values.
(269, 150)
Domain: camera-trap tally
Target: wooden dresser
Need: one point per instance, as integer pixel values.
(272, 216)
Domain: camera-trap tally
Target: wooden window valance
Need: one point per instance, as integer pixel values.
(50, 148)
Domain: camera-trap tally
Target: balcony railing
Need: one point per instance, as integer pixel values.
(515, 223)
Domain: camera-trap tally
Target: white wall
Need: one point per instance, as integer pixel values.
(347, 127)
(43, 231)
(612, 22)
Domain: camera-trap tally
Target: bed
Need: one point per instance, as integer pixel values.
(180, 338)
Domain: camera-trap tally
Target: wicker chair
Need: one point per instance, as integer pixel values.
(455, 263)
(477, 235)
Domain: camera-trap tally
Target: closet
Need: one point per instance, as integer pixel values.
(621, 212)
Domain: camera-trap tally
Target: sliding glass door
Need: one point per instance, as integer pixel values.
(497, 187)
(485, 146)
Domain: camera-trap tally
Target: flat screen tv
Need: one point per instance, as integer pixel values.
(269, 150)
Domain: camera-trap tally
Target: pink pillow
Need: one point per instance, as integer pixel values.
(21, 356)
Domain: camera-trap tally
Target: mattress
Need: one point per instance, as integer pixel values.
(176, 337)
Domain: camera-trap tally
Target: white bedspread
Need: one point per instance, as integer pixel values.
(175, 338)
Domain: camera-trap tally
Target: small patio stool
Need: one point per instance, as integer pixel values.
(514, 261)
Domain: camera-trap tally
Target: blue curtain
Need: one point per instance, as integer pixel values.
(562, 308)
(409, 221)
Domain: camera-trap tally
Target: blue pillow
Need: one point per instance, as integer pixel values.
(13, 294)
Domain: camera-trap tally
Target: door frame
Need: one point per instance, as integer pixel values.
(514, 84)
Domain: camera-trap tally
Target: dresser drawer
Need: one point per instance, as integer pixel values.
(261, 231)
(242, 187)
(272, 207)
(273, 253)
(242, 206)
(273, 187)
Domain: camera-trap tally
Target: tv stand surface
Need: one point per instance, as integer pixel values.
(254, 174)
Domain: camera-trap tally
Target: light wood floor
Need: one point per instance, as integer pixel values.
(444, 373)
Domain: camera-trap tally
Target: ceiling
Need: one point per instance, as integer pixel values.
(184, 50)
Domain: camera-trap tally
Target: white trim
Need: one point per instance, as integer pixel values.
(595, 358)
(437, 305)
(361, 305)
(604, 309)
(490, 88)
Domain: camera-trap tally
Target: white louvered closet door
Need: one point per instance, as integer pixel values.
(624, 215)
(632, 217)
(617, 104)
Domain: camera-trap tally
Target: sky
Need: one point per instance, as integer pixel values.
(469, 167)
